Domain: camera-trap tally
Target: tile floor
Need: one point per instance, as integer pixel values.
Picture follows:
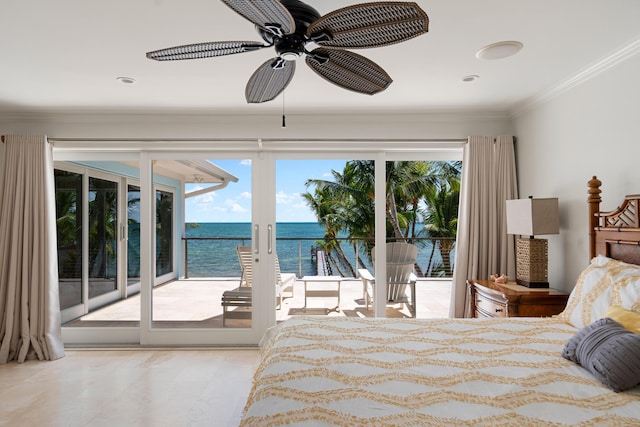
(173, 388)
(128, 388)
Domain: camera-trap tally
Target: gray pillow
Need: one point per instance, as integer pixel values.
(609, 352)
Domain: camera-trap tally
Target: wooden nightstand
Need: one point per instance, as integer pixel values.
(490, 299)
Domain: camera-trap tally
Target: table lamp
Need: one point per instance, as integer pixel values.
(531, 217)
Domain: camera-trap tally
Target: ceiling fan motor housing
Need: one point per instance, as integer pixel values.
(291, 46)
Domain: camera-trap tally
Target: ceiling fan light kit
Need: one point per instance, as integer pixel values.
(291, 26)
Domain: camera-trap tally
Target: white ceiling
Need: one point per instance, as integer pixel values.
(65, 56)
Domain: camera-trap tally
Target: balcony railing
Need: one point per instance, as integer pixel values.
(216, 256)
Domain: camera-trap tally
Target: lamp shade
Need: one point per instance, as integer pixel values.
(533, 216)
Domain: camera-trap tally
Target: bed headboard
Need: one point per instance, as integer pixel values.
(615, 234)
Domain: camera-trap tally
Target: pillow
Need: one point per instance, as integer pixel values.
(603, 283)
(626, 318)
(609, 352)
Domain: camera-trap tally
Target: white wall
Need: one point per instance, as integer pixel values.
(390, 126)
(591, 129)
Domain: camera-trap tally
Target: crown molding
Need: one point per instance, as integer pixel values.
(618, 56)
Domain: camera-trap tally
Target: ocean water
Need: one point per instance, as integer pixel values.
(217, 257)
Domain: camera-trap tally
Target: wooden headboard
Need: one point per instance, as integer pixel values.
(615, 234)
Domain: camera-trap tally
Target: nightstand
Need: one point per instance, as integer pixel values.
(490, 299)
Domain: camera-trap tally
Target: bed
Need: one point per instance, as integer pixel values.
(581, 367)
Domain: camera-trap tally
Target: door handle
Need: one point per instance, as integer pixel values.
(269, 239)
(256, 239)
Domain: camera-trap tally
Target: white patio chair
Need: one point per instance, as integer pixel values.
(401, 258)
(242, 296)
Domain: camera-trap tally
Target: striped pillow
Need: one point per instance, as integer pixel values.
(610, 352)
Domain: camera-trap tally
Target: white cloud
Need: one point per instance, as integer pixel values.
(245, 195)
(235, 207)
(301, 205)
(283, 198)
(245, 162)
(205, 199)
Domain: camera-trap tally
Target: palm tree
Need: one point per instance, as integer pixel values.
(323, 204)
(348, 200)
(441, 220)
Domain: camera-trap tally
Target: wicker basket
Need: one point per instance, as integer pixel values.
(532, 265)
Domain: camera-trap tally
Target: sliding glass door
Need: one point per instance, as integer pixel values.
(224, 264)
(214, 247)
(98, 229)
(87, 212)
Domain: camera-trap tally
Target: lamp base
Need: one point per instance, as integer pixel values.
(532, 284)
(531, 263)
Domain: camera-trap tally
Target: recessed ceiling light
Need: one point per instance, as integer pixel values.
(126, 80)
(499, 50)
(470, 78)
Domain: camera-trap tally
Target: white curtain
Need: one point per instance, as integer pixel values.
(483, 246)
(29, 300)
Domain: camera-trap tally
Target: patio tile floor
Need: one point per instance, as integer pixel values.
(196, 303)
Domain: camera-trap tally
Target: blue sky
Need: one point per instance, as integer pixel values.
(233, 203)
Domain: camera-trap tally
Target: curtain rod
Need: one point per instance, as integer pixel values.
(443, 140)
(446, 140)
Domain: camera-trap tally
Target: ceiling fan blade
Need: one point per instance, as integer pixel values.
(270, 15)
(369, 25)
(269, 80)
(349, 70)
(204, 50)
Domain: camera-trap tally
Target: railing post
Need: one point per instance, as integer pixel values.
(299, 258)
(357, 266)
(186, 259)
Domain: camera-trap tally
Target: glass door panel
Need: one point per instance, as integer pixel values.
(164, 233)
(325, 228)
(103, 228)
(424, 211)
(214, 289)
(133, 235)
(69, 202)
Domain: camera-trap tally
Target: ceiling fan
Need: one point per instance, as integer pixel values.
(291, 27)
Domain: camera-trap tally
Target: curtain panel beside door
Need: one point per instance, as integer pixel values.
(483, 245)
(29, 301)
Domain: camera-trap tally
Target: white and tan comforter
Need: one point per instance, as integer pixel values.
(340, 371)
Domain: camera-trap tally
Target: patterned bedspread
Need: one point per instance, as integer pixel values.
(338, 371)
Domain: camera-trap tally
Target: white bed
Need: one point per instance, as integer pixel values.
(338, 371)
